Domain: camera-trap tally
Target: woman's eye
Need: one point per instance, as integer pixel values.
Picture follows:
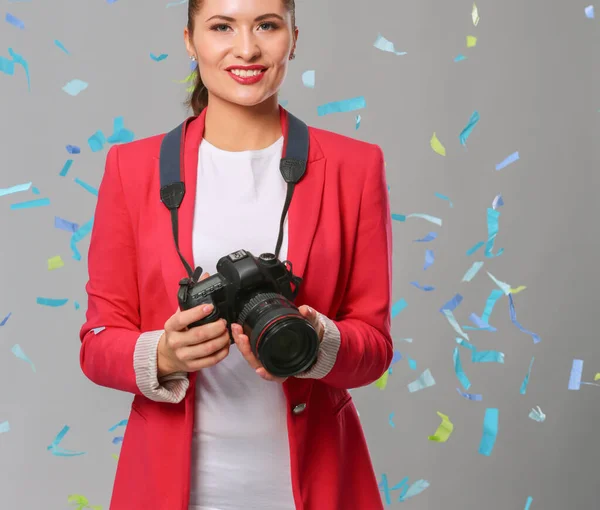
(268, 26)
(220, 28)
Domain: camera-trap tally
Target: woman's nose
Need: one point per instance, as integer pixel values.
(246, 46)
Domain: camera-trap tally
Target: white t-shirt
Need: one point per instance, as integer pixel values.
(240, 449)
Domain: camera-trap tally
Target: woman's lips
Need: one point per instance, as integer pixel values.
(248, 80)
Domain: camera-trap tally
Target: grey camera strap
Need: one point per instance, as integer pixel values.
(172, 185)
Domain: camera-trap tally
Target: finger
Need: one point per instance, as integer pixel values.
(261, 371)
(204, 276)
(208, 361)
(181, 319)
(205, 332)
(205, 349)
(243, 343)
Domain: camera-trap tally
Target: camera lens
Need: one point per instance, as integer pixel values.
(281, 338)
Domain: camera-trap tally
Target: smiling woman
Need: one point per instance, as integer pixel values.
(227, 36)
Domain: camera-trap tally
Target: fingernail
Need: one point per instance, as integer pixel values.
(310, 310)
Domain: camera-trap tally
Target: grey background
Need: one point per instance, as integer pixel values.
(533, 77)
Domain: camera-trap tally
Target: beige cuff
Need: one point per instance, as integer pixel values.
(328, 350)
(170, 388)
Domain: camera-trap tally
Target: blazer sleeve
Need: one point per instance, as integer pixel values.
(364, 317)
(112, 328)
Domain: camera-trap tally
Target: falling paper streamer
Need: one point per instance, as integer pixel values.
(358, 119)
(18, 352)
(576, 372)
(398, 306)
(475, 15)
(458, 370)
(497, 202)
(425, 380)
(490, 432)
(492, 226)
(526, 380)
(427, 217)
(453, 322)
(452, 304)
(14, 21)
(437, 146)
(528, 503)
(347, 105)
(443, 431)
(74, 87)
(86, 186)
(429, 259)
(65, 225)
(15, 189)
(77, 236)
(61, 46)
(391, 420)
(4, 427)
(308, 79)
(55, 263)
(537, 415)
(120, 133)
(158, 58)
(66, 167)
(472, 250)
(487, 357)
(122, 423)
(7, 66)
(5, 320)
(426, 288)
(470, 396)
(381, 43)
(513, 318)
(471, 41)
(428, 238)
(466, 132)
(504, 286)
(444, 197)
(30, 204)
(589, 12)
(51, 302)
(381, 383)
(55, 449)
(470, 274)
(510, 159)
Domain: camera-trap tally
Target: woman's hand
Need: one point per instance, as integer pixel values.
(181, 349)
(243, 343)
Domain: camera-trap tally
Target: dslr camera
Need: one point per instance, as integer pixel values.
(256, 292)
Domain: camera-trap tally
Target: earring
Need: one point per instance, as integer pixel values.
(292, 56)
(192, 57)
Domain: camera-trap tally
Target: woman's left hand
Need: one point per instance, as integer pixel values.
(243, 343)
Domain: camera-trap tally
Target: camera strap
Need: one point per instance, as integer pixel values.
(172, 186)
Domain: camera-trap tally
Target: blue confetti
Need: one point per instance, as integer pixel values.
(40, 202)
(66, 168)
(526, 379)
(73, 149)
(14, 21)
(158, 58)
(86, 186)
(466, 132)
(398, 306)
(5, 319)
(510, 159)
(428, 238)
(490, 432)
(51, 302)
(65, 225)
(346, 105)
(61, 46)
(576, 373)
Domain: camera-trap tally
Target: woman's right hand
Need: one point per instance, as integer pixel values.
(181, 349)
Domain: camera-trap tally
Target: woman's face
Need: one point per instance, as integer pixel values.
(243, 48)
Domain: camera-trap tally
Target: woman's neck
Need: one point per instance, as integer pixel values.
(236, 128)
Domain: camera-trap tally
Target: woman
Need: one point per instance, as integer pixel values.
(209, 428)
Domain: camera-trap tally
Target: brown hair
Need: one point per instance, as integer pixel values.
(198, 99)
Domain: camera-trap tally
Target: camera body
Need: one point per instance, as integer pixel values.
(257, 293)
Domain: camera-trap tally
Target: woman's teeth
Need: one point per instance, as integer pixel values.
(244, 73)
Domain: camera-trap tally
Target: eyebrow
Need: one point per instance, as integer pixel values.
(259, 18)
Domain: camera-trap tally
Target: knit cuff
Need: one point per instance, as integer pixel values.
(328, 350)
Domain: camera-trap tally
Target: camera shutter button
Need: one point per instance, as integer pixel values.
(299, 408)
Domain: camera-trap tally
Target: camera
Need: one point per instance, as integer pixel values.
(257, 293)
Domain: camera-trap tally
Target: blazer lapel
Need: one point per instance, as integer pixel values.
(303, 213)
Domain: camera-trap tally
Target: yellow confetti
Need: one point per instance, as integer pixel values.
(443, 431)
(115, 456)
(188, 78)
(437, 146)
(471, 41)
(596, 377)
(475, 15)
(55, 263)
(518, 289)
(381, 383)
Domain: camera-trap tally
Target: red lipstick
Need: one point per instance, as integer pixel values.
(247, 80)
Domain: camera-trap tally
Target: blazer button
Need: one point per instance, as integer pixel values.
(299, 408)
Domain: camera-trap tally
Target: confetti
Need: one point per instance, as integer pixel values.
(470, 396)
(437, 146)
(15, 189)
(425, 380)
(122, 423)
(466, 132)
(346, 105)
(308, 79)
(66, 167)
(87, 187)
(526, 380)
(65, 225)
(459, 58)
(77, 236)
(473, 270)
(14, 21)
(475, 15)
(510, 159)
(16, 59)
(528, 503)
(444, 197)
(452, 304)
(398, 306)
(576, 372)
(443, 431)
(427, 217)
(429, 259)
(453, 322)
(5, 320)
(471, 41)
(19, 353)
(589, 12)
(426, 288)
(381, 43)
(537, 415)
(57, 450)
(55, 263)
(490, 432)
(40, 202)
(120, 133)
(4, 427)
(74, 87)
(458, 370)
(61, 46)
(513, 318)
(73, 149)
(158, 58)
(391, 420)
(381, 383)
(428, 238)
(358, 119)
(97, 141)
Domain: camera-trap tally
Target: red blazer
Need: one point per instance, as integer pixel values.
(340, 243)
